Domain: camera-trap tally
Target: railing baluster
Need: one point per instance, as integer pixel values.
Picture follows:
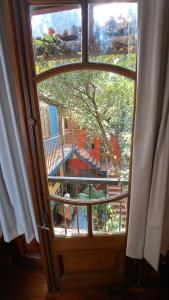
(89, 218)
(72, 139)
(44, 146)
(89, 215)
(90, 191)
(105, 216)
(59, 149)
(47, 158)
(50, 154)
(64, 219)
(105, 209)
(77, 216)
(120, 212)
(113, 211)
(55, 149)
(46, 154)
(63, 155)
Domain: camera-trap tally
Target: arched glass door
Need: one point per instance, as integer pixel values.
(81, 62)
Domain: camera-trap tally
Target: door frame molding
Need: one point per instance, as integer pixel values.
(28, 129)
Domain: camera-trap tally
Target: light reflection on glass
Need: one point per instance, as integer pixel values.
(56, 36)
(113, 33)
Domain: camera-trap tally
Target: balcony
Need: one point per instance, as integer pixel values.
(58, 149)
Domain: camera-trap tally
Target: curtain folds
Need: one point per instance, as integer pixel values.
(148, 233)
(16, 209)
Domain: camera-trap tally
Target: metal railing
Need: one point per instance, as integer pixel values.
(105, 215)
(56, 147)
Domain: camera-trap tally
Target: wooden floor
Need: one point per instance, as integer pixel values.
(25, 283)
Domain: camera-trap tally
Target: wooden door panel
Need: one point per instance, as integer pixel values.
(89, 261)
(85, 262)
(115, 241)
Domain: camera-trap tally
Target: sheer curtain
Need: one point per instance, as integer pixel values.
(16, 209)
(148, 234)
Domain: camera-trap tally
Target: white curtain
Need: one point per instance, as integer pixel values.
(148, 234)
(16, 209)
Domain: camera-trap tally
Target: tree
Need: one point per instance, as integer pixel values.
(100, 102)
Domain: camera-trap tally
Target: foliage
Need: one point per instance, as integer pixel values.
(51, 50)
(91, 193)
(127, 61)
(105, 218)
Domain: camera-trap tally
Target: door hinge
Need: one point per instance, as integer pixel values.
(43, 227)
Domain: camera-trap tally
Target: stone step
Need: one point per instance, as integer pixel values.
(114, 187)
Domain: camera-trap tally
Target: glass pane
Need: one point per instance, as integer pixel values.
(86, 120)
(56, 35)
(69, 220)
(113, 34)
(110, 218)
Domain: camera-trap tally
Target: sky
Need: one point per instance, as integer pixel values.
(103, 12)
(64, 20)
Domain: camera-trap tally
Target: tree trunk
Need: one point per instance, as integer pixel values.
(107, 143)
(104, 136)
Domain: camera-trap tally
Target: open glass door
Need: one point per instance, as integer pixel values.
(81, 65)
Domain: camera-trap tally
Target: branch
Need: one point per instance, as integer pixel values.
(88, 107)
(106, 108)
(84, 100)
(83, 92)
(94, 89)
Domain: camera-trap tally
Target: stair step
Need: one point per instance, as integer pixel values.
(114, 188)
(86, 155)
(118, 206)
(114, 191)
(113, 194)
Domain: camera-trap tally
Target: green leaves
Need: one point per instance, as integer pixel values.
(105, 217)
(48, 38)
(38, 42)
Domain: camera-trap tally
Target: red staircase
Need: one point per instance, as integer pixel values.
(88, 158)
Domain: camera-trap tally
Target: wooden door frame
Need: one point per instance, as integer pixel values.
(21, 63)
(28, 129)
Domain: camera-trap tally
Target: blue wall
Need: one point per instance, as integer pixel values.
(53, 116)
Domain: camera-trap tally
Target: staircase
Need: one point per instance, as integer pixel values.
(112, 190)
(85, 156)
(121, 206)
